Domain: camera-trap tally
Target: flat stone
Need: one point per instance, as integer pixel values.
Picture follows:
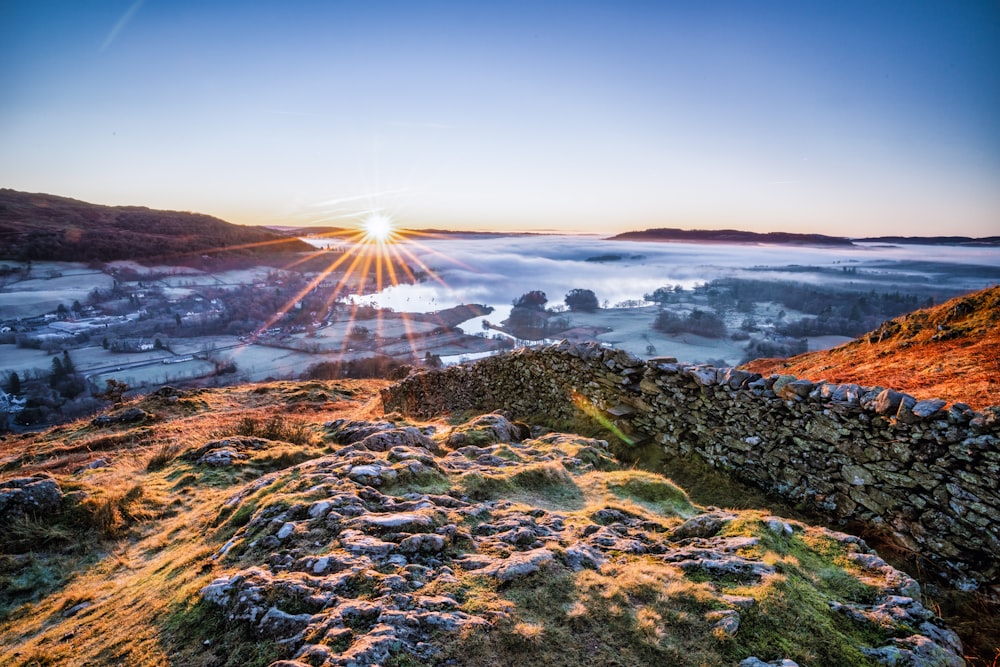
(399, 521)
(929, 408)
(521, 564)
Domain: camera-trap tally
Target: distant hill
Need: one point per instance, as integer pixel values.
(933, 240)
(786, 238)
(41, 227)
(729, 236)
(948, 351)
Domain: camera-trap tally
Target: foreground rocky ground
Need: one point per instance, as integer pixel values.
(296, 525)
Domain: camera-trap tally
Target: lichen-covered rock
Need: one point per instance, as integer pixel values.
(345, 564)
(130, 415)
(36, 496)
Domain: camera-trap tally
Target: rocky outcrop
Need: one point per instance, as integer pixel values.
(922, 471)
(24, 496)
(369, 554)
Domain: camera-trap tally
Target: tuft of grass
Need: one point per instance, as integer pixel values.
(480, 486)
(277, 427)
(542, 482)
(166, 453)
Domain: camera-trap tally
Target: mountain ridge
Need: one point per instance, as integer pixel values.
(44, 227)
(673, 234)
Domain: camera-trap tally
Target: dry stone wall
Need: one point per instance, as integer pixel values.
(922, 471)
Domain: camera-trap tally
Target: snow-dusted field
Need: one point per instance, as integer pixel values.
(259, 362)
(45, 290)
(157, 374)
(19, 360)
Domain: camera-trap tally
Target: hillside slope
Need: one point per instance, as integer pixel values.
(950, 351)
(40, 227)
(295, 524)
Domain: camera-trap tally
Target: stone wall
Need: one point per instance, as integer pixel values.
(921, 471)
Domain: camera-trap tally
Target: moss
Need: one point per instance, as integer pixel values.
(652, 491)
(430, 481)
(793, 620)
(479, 486)
(206, 636)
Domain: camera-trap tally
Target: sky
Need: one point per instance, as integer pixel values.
(850, 118)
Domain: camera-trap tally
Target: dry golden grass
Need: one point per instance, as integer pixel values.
(951, 351)
(112, 571)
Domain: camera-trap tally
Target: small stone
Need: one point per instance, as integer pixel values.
(928, 409)
(279, 624)
(424, 543)
(726, 623)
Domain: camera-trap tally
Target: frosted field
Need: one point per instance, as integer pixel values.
(97, 357)
(258, 362)
(19, 360)
(40, 294)
(157, 374)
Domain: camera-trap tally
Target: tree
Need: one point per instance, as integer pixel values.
(177, 318)
(14, 384)
(533, 300)
(660, 295)
(58, 372)
(698, 322)
(67, 363)
(583, 300)
(77, 308)
(113, 391)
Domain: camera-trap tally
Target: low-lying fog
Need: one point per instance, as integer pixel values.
(496, 270)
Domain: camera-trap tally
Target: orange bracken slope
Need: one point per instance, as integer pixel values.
(950, 351)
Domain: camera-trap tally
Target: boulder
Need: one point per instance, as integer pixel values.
(38, 495)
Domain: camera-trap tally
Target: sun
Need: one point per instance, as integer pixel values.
(378, 228)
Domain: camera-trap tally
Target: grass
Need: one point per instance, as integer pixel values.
(206, 637)
(138, 549)
(652, 491)
(618, 616)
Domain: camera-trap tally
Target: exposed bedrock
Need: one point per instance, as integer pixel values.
(923, 472)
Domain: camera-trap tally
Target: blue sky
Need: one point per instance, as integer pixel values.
(851, 118)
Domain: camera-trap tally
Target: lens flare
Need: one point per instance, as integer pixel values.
(324, 315)
(379, 228)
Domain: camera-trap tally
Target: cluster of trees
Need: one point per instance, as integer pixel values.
(665, 294)
(697, 321)
(785, 347)
(64, 379)
(378, 366)
(836, 309)
(530, 319)
(45, 398)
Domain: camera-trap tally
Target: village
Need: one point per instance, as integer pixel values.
(69, 332)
